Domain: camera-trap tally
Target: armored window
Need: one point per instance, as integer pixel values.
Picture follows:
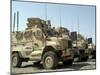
(28, 34)
(38, 34)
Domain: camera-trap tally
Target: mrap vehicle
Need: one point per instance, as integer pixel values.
(92, 48)
(79, 44)
(39, 42)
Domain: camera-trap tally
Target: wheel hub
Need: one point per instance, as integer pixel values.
(14, 61)
(49, 61)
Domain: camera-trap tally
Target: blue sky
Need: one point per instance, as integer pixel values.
(71, 15)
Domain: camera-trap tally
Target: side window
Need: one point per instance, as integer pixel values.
(28, 34)
(38, 34)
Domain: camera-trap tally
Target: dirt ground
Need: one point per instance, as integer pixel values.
(30, 67)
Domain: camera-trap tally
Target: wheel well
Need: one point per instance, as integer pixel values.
(16, 52)
(48, 48)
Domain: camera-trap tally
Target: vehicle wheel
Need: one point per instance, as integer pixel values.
(94, 54)
(83, 58)
(68, 62)
(16, 60)
(94, 57)
(50, 60)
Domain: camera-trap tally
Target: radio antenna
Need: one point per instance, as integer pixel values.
(45, 11)
(17, 20)
(78, 25)
(60, 20)
(14, 22)
(72, 26)
(60, 16)
(77, 31)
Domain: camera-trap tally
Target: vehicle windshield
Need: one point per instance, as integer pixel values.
(50, 33)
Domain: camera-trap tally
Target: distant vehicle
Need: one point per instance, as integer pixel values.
(40, 43)
(81, 45)
(92, 48)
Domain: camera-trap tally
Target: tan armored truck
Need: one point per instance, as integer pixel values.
(79, 44)
(40, 43)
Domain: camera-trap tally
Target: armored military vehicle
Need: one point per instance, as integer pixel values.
(39, 42)
(79, 44)
(92, 48)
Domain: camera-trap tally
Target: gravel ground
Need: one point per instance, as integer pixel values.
(29, 67)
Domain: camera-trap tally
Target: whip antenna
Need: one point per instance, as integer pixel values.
(14, 22)
(17, 20)
(45, 11)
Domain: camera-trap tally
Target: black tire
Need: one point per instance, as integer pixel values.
(94, 55)
(16, 60)
(68, 62)
(85, 58)
(82, 59)
(50, 60)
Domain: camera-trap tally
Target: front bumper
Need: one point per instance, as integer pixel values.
(67, 54)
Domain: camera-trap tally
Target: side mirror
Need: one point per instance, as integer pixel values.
(73, 36)
(89, 40)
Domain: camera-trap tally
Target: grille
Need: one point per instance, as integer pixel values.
(64, 43)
